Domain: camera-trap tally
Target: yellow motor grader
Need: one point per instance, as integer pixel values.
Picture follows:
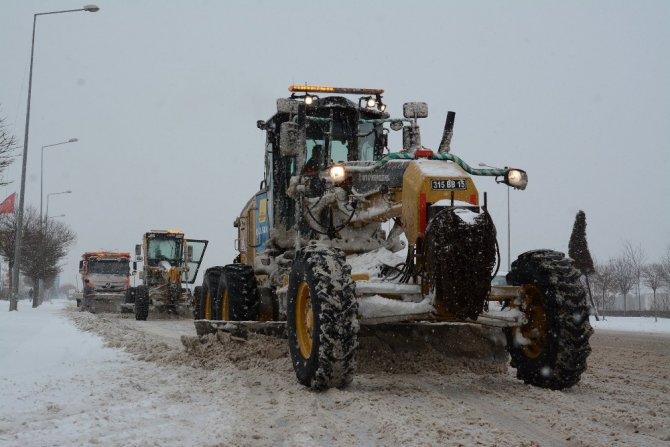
(170, 262)
(344, 233)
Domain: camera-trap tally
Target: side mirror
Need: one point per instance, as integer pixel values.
(289, 139)
(138, 250)
(81, 265)
(415, 110)
(189, 253)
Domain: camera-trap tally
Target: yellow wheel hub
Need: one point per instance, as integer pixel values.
(304, 320)
(535, 330)
(208, 305)
(225, 314)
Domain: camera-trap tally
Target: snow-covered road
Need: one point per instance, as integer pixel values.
(62, 386)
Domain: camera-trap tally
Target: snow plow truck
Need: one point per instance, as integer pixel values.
(344, 234)
(171, 262)
(109, 272)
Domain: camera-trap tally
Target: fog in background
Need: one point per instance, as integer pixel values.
(164, 97)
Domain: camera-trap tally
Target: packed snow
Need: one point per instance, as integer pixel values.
(71, 378)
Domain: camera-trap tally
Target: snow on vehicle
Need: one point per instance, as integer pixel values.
(315, 253)
(170, 263)
(109, 272)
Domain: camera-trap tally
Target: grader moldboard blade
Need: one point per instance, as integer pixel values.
(457, 340)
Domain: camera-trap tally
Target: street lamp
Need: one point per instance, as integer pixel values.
(54, 194)
(13, 305)
(71, 140)
(509, 244)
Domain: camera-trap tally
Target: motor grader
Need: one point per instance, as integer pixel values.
(372, 237)
(170, 262)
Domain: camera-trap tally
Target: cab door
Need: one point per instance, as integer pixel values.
(198, 246)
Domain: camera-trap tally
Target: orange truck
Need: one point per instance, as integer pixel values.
(109, 272)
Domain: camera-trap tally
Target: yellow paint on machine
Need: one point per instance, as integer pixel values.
(417, 180)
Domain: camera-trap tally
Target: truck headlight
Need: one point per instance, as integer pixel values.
(516, 178)
(337, 173)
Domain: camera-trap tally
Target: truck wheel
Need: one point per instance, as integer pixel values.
(210, 283)
(238, 294)
(550, 350)
(141, 303)
(322, 318)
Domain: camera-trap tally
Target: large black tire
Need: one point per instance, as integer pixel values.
(141, 303)
(197, 294)
(238, 297)
(461, 257)
(551, 349)
(210, 283)
(322, 318)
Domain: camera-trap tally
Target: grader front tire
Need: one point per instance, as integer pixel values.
(322, 319)
(551, 349)
(141, 303)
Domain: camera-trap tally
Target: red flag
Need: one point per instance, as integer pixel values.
(7, 205)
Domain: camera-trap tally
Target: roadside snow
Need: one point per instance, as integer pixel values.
(61, 386)
(633, 324)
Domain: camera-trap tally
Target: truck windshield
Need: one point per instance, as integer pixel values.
(164, 249)
(109, 267)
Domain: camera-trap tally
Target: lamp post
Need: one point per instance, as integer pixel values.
(44, 228)
(509, 244)
(54, 194)
(13, 302)
(71, 140)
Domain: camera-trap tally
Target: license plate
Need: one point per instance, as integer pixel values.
(448, 184)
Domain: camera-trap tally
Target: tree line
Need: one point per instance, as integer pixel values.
(620, 276)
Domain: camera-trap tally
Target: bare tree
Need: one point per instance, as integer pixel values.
(624, 278)
(44, 246)
(636, 257)
(603, 284)
(8, 144)
(652, 277)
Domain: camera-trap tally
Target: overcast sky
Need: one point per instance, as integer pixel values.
(164, 97)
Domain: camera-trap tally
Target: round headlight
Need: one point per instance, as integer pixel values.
(337, 173)
(372, 102)
(516, 178)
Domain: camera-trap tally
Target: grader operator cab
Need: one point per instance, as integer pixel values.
(170, 262)
(319, 245)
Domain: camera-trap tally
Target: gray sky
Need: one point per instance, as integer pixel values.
(164, 96)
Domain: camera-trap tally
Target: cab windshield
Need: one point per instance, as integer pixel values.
(345, 141)
(109, 267)
(164, 249)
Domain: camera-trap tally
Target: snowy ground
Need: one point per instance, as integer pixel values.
(72, 378)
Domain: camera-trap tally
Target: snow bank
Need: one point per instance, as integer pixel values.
(633, 324)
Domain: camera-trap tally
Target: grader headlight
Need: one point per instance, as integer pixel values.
(337, 173)
(516, 178)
